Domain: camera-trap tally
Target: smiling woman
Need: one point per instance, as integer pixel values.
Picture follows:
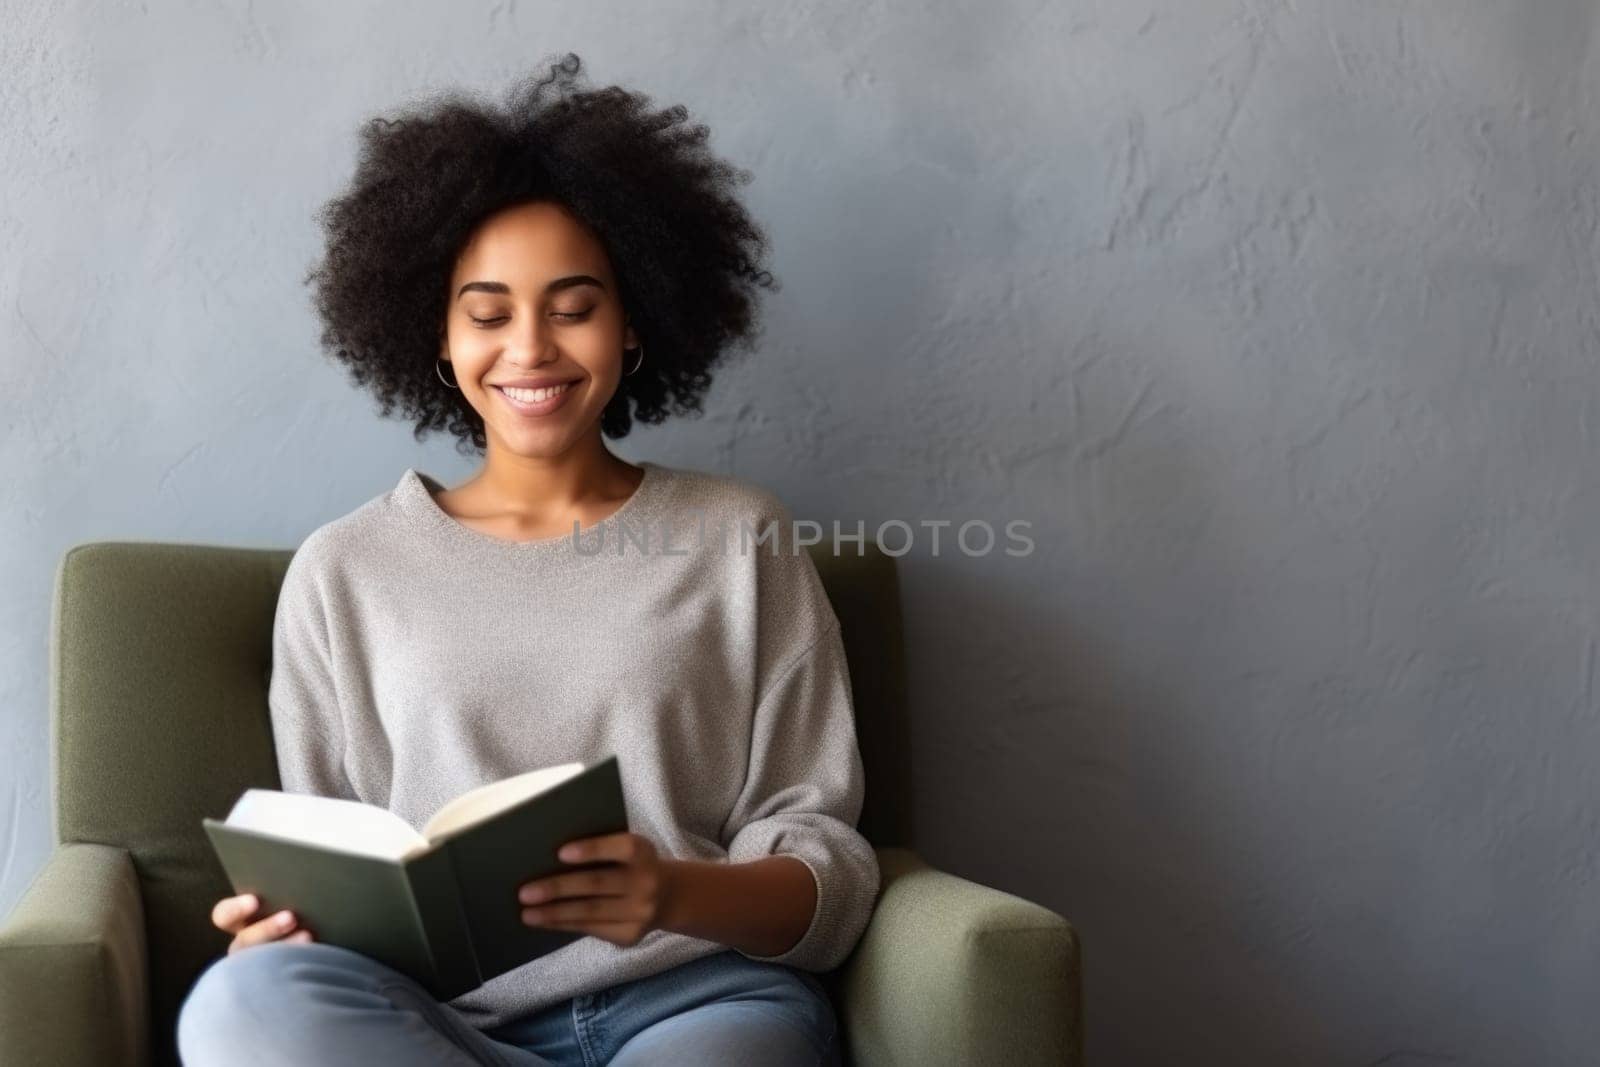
(531, 279)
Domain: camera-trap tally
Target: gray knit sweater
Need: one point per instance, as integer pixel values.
(415, 658)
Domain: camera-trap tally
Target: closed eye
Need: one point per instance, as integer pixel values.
(570, 316)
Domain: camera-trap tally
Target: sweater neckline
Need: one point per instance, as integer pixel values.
(414, 496)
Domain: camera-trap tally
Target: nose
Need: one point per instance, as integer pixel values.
(531, 343)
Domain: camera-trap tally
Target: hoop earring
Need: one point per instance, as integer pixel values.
(637, 362)
(438, 368)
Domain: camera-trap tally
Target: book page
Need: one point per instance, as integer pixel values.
(333, 822)
(476, 805)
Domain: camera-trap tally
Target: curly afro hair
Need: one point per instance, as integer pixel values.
(685, 252)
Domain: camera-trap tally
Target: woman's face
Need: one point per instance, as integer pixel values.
(533, 297)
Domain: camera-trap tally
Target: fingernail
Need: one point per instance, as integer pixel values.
(285, 918)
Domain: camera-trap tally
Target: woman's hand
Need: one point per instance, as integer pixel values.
(620, 901)
(232, 915)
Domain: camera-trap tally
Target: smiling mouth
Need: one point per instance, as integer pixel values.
(533, 396)
(535, 401)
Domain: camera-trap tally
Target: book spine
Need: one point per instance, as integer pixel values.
(443, 923)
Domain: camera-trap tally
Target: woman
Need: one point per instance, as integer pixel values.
(531, 280)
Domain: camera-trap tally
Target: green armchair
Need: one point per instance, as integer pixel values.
(159, 660)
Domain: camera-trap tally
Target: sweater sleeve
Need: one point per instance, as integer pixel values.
(307, 732)
(803, 795)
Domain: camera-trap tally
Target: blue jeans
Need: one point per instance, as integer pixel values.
(312, 1003)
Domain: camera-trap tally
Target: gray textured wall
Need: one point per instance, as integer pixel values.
(1277, 320)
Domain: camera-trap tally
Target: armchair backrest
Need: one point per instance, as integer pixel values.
(160, 655)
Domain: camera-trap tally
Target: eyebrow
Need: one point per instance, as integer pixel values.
(554, 287)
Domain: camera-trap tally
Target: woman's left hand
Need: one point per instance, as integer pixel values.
(620, 901)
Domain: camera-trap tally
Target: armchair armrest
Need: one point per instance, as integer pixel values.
(949, 971)
(74, 966)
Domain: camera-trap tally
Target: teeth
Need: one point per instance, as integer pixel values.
(533, 396)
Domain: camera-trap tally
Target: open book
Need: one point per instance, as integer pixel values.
(440, 905)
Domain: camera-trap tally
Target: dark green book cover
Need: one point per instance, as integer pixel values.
(447, 916)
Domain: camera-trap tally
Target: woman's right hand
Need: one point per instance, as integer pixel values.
(233, 915)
